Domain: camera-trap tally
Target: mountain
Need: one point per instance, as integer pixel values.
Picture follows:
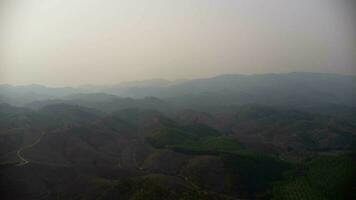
(127, 88)
(306, 91)
(294, 89)
(272, 136)
(20, 95)
(21, 127)
(297, 89)
(105, 102)
(276, 129)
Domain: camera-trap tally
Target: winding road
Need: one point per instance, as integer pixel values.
(24, 161)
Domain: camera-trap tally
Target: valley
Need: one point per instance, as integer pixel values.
(100, 146)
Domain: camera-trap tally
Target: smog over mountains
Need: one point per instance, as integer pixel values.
(177, 100)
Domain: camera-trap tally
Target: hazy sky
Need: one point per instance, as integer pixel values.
(72, 42)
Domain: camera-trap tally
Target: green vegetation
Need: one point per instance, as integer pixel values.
(311, 131)
(255, 171)
(181, 160)
(192, 139)
(168, 136)
(155, 187)
(327, 177)
(331, 175)
(209, 145)
(295, 190)
(246, 172)
(171, 134)
(201, 130)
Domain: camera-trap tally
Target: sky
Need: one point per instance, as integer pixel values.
(76, 42)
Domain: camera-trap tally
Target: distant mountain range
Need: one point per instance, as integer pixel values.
(302, 90)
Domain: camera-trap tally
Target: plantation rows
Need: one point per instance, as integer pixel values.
(325, 178)
(297, 190)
